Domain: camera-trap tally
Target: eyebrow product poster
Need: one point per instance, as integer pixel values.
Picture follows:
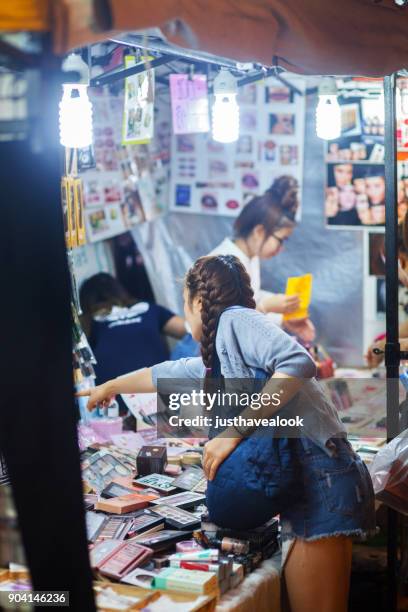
(212, 178)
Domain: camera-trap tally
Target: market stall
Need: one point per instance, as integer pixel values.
(153, 166)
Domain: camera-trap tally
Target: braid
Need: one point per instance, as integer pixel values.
(211, 297)
(220, 282)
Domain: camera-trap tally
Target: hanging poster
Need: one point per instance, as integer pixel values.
(189, 103)
(355, 172)
(138, 114)
(209, 177)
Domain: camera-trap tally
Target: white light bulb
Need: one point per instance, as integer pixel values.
(225, 118)
(328, 118)
(225, 110)
(75, 117)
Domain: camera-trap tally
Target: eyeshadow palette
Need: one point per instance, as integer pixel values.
(201, 486)
(124, 559)
(125, 503)
(163, 540)
(115, 490)
(143, 521)
(189, 478)
(188, 499)
(115, 527)
(102, 551)
(176, 517)
(94, 524)
(160, 482)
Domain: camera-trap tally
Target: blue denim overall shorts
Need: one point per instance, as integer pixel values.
(317, 493)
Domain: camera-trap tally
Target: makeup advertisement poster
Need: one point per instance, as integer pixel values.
(355, 174)
(209, 177)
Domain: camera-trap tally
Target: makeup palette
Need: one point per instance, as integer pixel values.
(115, 490)
(176, 517)
(189, 478)
(94, 524)
(144, 521)
(125, 503)
(115, 559)
(163, 540)
(160, 482)
(124, 559)
(187, 499)
(115, 527)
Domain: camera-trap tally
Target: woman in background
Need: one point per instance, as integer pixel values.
(124, 334)
(260, 231)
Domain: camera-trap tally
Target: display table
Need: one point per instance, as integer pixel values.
(259, 591)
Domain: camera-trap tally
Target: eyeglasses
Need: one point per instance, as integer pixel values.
(280, 240)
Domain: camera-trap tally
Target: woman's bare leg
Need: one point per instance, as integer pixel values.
(317, 575)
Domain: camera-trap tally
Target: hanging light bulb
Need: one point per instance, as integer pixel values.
(225, 110)
(75, 109)
(328, 112)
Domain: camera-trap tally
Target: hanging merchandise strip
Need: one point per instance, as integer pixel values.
(209, 177)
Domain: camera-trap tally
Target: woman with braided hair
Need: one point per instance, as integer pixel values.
(310, 476)
(260, 232)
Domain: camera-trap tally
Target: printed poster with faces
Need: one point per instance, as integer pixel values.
(129, 184)
(208, 177)
(355, 172)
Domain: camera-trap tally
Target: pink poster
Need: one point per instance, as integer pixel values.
(189, 103)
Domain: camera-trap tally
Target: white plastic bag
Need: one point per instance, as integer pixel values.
(389, 473)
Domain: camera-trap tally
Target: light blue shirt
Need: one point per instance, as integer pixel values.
(248, 341)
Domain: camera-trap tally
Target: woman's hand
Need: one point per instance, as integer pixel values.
(302, 328)
(280, 303)
(215, 452)
(102, 395)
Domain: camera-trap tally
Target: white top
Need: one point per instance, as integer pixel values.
(252, 266)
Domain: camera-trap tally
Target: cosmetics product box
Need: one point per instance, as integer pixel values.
(115, 527)
(102, 551)
(145, 521)
(123, 560)
(162, 483)
(151, 460)
(163, 540)
(176, 517)
(189, 581)
(257, 538)
(115, 490)
(237, 575)
(125, 503)
(185, 500)
(224, 585)
(189, 478)
(211, 555)
(198, 566)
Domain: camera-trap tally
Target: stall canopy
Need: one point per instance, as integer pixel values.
(349, 37)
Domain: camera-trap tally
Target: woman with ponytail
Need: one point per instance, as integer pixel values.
(260, 231)
(310, 476)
